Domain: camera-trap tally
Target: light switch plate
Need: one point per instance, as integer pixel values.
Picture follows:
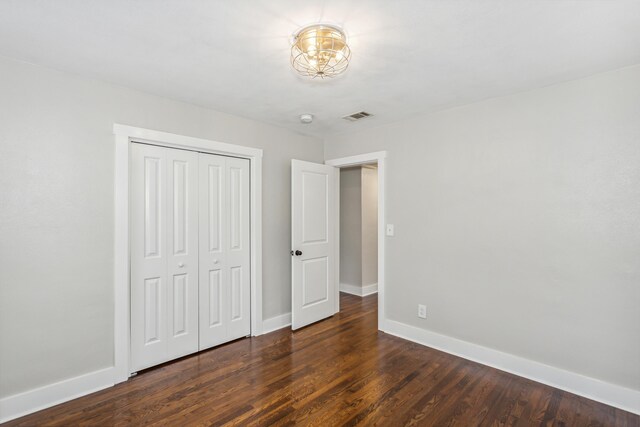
(390, 230)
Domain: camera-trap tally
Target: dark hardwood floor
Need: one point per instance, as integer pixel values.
(340, 371)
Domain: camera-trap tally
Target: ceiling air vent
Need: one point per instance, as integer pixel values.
(357, 116)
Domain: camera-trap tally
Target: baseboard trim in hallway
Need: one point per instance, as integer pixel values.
(361, 291)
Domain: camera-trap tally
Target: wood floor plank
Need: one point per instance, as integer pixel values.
(338, 372)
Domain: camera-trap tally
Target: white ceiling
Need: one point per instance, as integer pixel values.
(408, 56)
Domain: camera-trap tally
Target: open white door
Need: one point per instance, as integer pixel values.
(313, 274)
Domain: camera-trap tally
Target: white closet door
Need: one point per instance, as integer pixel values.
(164, 245)
(182, 256)
(213, 233)
(224, 250)
(148, 256)
(238, 254)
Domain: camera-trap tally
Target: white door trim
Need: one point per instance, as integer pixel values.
(124, 135)
(378, 157)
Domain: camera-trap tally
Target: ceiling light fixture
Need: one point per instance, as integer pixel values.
(320, 50)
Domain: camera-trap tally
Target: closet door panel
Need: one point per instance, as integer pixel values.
(212, 258)
(237, 248)
(182, 252)
(190, 257)
(148, 256)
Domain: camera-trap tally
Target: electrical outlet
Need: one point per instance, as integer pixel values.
(422, 311)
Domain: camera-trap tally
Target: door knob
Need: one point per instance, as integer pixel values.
(298, 253)
(181, 264)
(215, 261)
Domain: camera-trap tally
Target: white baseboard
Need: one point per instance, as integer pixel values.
(25, 403)
(610, 394)
(277, 322)
(361, 291)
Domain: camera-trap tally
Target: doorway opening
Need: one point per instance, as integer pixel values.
(359, 230)
(371, 284)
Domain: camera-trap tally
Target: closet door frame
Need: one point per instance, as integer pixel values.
(124, 136)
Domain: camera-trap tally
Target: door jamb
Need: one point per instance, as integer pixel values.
(124, 136)
(378, 157)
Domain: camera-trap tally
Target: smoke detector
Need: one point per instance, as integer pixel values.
(306, 118)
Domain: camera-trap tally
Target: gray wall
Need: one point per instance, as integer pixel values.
(517, 222)
(351, 226)
(369, 226)
(56, 215)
